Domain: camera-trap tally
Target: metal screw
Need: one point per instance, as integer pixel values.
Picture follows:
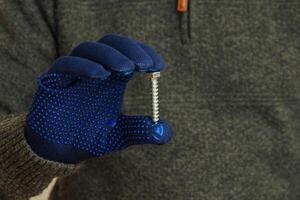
(155, 100)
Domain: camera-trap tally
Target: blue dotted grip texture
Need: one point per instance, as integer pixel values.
(76, 112)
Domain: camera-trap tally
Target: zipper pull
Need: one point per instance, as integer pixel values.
(182, 5)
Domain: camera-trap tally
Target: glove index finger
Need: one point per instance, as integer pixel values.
(79, 67)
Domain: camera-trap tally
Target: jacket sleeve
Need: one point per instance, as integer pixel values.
(28, 45)
(22, 173)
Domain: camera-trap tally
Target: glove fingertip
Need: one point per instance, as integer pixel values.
(79, 67)
(161, 133)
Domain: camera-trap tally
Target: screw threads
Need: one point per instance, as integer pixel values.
(155, 99)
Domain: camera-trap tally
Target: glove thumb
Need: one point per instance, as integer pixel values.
(142, 130)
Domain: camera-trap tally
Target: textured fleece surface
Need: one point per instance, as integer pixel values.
(231, 92)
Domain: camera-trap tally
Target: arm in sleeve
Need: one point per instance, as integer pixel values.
(22, 173)
(28, 45)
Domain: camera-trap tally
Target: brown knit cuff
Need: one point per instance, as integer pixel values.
(22, 173)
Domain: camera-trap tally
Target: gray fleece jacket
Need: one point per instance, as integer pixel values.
(231, 91)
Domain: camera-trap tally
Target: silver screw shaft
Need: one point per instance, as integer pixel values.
(155, 100)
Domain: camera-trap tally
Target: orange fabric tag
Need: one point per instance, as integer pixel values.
(182, 5)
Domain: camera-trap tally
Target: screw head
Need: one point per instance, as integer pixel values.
(155, 75)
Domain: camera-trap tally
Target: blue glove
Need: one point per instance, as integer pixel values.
(76, 111)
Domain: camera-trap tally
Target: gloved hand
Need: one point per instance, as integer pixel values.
(76, 111)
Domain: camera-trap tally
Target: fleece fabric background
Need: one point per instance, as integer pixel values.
(231, 92)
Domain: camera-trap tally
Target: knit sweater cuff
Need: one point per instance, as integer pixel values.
(22, 173)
